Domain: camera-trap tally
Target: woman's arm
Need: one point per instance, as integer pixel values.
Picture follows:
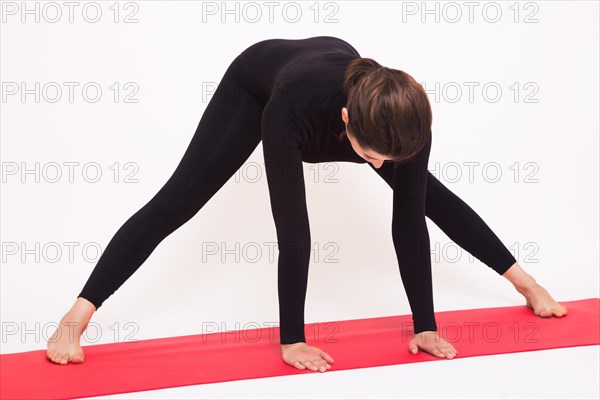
(281, 139)
(411, 237)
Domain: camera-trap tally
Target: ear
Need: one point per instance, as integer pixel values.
(345, 114)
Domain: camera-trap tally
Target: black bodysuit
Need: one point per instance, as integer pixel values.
(288, 93)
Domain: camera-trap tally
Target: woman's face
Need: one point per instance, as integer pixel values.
(369, 155)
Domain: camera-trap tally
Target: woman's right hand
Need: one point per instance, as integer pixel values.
(303, 356)
(432, 343)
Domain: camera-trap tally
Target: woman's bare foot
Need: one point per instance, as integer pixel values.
(537, 298)
(542, 304)
(303, 356)
(63, 345)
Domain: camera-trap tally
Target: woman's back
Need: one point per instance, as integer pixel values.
(274, 64)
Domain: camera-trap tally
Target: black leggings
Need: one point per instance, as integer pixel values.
(227, 134)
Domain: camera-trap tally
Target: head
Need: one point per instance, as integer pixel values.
(387, 113)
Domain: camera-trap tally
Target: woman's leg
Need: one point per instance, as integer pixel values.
(227, 134)
(467, 229)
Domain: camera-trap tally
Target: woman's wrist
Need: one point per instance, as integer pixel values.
(287, 345)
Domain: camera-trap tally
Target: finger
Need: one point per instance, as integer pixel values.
(319, 362)
(413, 349)
(445, 349)
(322, 364)
(450, 347)
(448, 353)
(326, 356)
(445, 346)
(316, 365)
(438, 353)
(310, 365)
(298, 365)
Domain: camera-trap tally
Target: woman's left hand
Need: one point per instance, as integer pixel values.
(432, 343)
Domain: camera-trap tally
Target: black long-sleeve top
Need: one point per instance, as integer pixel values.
(299, 82)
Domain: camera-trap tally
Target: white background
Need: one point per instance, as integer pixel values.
(547, 214)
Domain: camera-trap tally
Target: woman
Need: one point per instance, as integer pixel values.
(290, 94)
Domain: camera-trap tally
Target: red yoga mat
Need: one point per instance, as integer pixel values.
(217, 357)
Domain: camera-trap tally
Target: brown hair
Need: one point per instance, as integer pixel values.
(388, 111)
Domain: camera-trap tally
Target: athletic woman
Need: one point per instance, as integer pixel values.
(311, 100)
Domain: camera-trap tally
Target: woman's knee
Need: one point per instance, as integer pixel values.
(175, 207)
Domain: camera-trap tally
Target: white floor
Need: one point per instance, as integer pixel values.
(548, 374)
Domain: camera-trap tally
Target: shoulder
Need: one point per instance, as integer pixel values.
(421, 157)
(414, 171)
(281, 122)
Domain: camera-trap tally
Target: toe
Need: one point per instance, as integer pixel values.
(560, 313)
(563, 311)
(544, 313)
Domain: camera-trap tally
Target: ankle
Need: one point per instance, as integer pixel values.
(523, 281)
(520, 279)
(75, 322)
(84, 306)
(78, 317)
(82, 309)
(526, 285)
